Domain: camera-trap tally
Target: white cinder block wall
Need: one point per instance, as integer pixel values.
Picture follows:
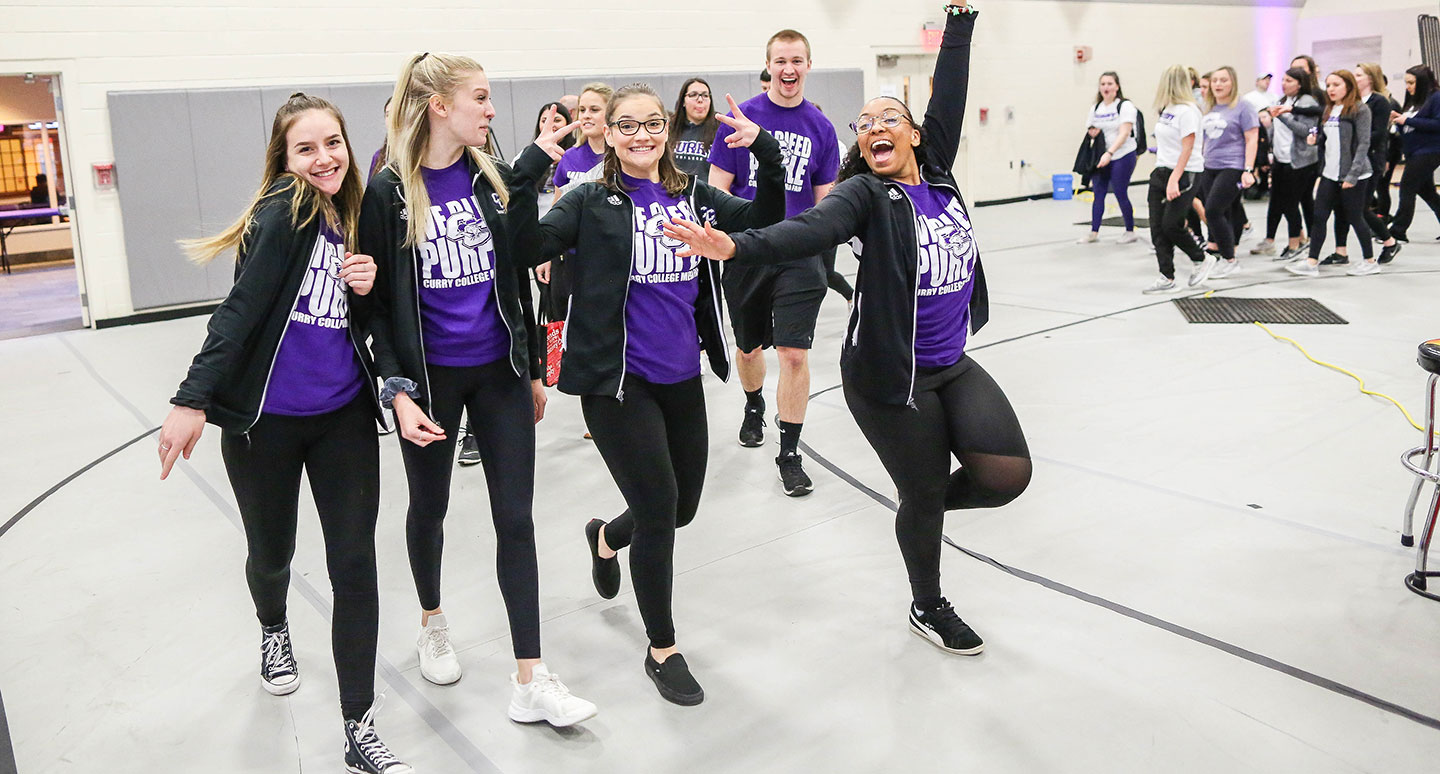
(1023, 60)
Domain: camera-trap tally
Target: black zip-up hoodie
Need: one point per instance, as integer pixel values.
(395, 324)
(227, 379)
(878, 356)
(599, 223)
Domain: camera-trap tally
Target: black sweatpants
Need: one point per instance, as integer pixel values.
(1224, 209)
(502, 416)
(959, 411)
(1417, 180)
(1331, 197)
(1167, 220)
(340, 454)
(656, 444)
(1291, 199)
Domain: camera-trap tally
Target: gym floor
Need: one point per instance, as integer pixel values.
(1205, 575)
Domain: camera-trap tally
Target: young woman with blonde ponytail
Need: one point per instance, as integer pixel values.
(285, 374)
(442, 220)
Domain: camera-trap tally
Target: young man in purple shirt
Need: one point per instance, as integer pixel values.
(778, 305)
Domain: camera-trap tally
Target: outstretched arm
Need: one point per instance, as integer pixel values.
(945, 116)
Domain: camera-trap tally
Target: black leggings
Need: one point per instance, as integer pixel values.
(835, 279)
(1417, 180)
(340, 454)
(1167, 220)
(1331, 197)
(656, 444)
(502, 416)
(1292, 198)
(1372, 219)
(958, 411)
(1224, 209)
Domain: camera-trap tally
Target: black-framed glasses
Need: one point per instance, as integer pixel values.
(888, 119)
(697, 95)
(629, 127)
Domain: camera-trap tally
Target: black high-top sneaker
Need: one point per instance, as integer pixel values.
(279, 674)
(940, 625)
(365, 753)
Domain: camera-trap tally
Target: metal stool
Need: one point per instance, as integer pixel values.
(1429, 359)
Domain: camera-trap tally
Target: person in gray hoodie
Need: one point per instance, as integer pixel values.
(1292, 179)
(1344, 142)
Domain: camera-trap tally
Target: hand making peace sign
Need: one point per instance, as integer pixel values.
(745, 130)
(549, 141)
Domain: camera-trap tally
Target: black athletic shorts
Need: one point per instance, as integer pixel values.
(775, 306)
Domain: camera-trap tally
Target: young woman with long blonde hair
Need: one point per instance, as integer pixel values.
(1172, 184)
(442, 220)
(285, 374)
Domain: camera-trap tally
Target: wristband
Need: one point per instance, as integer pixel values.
(959, 10)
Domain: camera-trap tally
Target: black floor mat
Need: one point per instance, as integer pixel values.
(1296, 311)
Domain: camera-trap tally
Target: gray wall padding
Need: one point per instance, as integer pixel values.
(189, 160)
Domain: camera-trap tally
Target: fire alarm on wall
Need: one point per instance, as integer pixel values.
(1083, 54)
(104, 175)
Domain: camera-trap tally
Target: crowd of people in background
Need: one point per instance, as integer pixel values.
(1325, 150)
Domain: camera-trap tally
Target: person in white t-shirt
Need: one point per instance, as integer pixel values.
(1177, 164)
(1114, 116)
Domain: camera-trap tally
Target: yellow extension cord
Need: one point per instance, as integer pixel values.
(1347, 372)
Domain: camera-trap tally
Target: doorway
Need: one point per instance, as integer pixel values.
(40, 284)
(909, 77)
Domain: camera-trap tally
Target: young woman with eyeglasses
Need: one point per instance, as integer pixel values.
(692, 128)
(640, 317)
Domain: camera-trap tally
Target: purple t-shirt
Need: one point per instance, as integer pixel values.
(662, 344)
(947, 265)
(459, 316)
(576, 165)
(807, 138)
(1224, 129)
(316, 369)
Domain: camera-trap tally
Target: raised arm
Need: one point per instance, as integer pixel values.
(945, 116)
(838, 217)
(733, 213)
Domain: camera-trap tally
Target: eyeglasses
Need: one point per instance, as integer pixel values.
(629, 127)
(888, 119)
(697, 95)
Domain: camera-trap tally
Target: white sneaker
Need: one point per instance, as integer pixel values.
(1161, 285)
(1264, 248)
(1089, 239)
(1304, 268)
(1128, 237)
(1362, 268)
(438, 662)
(1202, 271)
(1225, 268)
(546, 698)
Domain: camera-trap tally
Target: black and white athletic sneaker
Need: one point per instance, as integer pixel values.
(279, 674)
(469, 448)
(1335, 259)
(752, 433)
(792, 476)
(943, 629)
(673, 680)
(365, 753)
(1387, 254)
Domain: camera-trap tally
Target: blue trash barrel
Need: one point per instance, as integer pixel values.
(1064, 186)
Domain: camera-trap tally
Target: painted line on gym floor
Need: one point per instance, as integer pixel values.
(7, 748)
(1150, 620)
(438, 721)
(1145, 618)
(23, 512)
